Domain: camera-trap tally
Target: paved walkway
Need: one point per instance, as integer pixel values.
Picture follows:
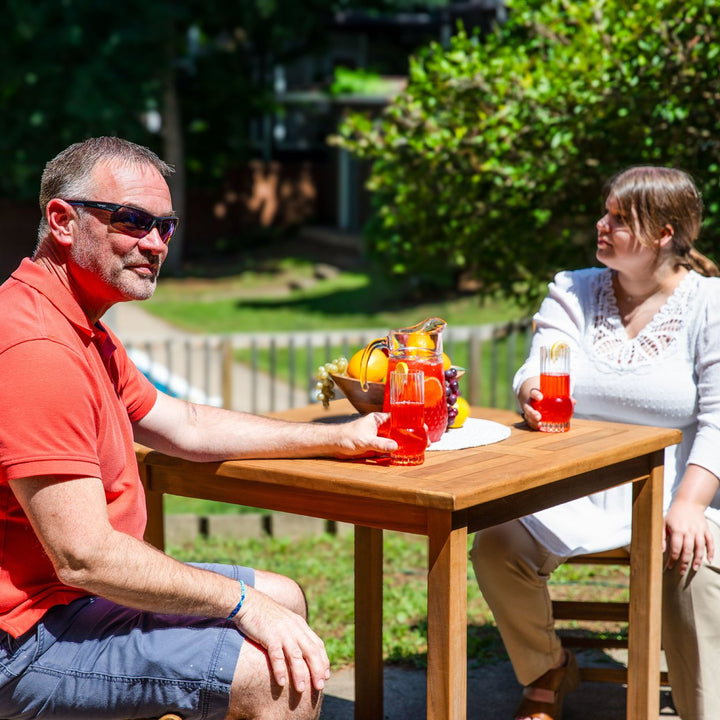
(250, 392)
(493, 694)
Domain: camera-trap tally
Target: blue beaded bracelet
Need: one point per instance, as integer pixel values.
(240, 604)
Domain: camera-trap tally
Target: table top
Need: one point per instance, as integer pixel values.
(539, 469)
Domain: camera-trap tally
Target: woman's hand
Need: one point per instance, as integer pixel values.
(530, 408)
(687, 537)
(528, 396)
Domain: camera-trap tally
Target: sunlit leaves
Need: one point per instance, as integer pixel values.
(488, 161)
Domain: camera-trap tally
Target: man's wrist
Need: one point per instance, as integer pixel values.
(238, 607)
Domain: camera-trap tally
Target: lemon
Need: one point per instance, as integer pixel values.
(402, 367)
(447, 362)
(463, 408)
(556, 349)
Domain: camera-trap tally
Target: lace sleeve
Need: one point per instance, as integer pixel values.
(561, 318)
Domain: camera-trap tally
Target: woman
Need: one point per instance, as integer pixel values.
(644, 337)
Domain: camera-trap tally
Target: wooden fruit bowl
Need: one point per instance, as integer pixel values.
(363, 402)
(372, 400)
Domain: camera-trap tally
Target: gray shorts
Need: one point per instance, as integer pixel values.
(97, 660)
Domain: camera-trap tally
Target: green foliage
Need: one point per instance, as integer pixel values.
(493, 160)
(71, 69)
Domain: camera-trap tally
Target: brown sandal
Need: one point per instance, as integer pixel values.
(560, 681)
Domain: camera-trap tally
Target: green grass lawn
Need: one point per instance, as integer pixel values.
(264, 300)
(324, 567)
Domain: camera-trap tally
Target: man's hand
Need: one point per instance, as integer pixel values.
(359, 438)
(290, 643)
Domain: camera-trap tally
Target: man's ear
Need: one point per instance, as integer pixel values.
(62, 219)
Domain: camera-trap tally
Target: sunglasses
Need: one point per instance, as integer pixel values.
(133, 221)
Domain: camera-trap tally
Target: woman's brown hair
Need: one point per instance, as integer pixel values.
(651, 198)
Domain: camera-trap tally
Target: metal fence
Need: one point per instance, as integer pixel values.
(266, 372)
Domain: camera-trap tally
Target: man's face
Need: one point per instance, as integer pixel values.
(106, 265)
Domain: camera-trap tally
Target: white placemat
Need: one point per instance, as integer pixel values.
(474, 432)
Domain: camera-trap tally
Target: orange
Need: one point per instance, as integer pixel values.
(434, 391)
(420, 340)
(463, 408)
(447, 362)
(376, 368)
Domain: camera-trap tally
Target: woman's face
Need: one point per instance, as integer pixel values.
(617, 246)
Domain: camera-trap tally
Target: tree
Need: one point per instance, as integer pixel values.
(492, 162)
(71, 69)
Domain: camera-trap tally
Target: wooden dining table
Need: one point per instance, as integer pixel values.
(455, 492)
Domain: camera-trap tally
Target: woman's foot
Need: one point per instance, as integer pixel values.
(542, 700)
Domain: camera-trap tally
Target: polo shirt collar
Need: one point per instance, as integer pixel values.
(37, 277)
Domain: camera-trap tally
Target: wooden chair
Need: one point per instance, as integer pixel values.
(597, 611)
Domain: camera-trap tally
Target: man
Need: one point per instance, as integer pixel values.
(93, 621)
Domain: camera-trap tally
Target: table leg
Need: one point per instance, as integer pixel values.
(368, 623)
(643, 693)
(447, 618)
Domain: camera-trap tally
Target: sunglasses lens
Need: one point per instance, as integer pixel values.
(138, 223)
(135, 223)
(166, 228)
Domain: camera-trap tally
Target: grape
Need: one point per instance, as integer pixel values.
(324, 385)
(452, 392)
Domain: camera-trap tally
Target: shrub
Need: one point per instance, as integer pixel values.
(493, 160)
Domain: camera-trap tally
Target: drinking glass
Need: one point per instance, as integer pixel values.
(556, 407)
(407, 417)
(418, 347)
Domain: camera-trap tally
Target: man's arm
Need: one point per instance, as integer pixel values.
(70, 518)
(205, 433)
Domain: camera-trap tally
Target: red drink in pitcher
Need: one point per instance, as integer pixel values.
(420, 348)
(435, 402)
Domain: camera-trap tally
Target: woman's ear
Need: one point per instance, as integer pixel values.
(61, 217)
(666, 238)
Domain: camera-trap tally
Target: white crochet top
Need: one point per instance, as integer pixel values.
(668, 376)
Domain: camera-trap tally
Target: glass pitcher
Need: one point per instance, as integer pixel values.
(420, 348)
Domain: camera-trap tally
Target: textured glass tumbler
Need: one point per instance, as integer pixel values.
(407, 417)
(556, 407)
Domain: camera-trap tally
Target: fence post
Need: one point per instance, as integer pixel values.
(474, 368)
(226, 390)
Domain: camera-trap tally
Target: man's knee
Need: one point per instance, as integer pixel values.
(283, 590)
(256, 695)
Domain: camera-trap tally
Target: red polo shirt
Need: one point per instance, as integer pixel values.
(68, 396)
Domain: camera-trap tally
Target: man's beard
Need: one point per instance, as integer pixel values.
(118, 273)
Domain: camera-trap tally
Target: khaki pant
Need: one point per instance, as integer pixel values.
(512, 570)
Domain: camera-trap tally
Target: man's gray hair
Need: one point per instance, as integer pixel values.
(69, 174)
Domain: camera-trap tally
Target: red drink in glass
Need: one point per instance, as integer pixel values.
(556, 407)
(407, 423)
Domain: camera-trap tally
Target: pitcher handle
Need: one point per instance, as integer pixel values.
(372, 345)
